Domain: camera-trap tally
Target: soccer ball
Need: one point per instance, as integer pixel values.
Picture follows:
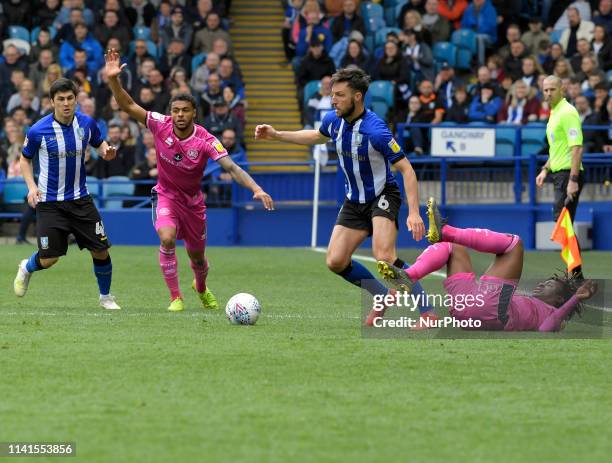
(243, 309)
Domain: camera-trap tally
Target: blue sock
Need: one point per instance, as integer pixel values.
(104, 274)
(33, 264)
(418, 289)
(356, 272)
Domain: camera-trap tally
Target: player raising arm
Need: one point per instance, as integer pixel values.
(366, 150)
(183, 149)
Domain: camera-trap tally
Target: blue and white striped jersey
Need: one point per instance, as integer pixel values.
(61, 155)
(366, 149)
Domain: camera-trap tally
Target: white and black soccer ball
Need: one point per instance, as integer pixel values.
(243, 309)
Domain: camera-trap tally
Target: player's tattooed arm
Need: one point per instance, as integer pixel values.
(244, 179)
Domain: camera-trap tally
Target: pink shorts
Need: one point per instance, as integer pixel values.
(189, 221)
(486, 299)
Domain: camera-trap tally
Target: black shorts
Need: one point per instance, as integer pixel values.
(560, 180)
(359, 216)
(55, 220)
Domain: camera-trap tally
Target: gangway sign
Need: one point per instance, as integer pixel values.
(452, 141)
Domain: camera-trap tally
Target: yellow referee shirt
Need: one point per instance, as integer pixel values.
(563, 131)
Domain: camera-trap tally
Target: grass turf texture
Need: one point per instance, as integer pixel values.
(301, 385)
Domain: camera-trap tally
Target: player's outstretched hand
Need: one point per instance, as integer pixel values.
(110, 153)
(586, 291)
(416, 226)
(265, 132)
(113, 65)
(265, 198)
(34, 197)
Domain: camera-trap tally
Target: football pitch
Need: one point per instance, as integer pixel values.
(303, 385)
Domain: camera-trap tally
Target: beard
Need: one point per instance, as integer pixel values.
(348, 111)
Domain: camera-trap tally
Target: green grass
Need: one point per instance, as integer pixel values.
(301, 385)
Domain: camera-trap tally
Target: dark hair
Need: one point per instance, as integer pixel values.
(184, 97)
(114, 125)
(569, 284)
(63, 85)
(355, 77)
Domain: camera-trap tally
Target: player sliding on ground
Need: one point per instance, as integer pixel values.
(61, 199)
(551, 302)
(366, 150)
(183, 149)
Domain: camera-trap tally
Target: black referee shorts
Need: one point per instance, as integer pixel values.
(359, 216)
(55, 220)
(560, 180)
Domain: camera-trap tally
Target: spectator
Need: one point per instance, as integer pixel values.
(574, 90)
(235, 105)
(147, 141)
(587, 68)
(578, 29)
(458, 112)
(600, 102)
(229, 141)
(318, 105)
(229, 77)
(110, 27)
(534, 37)
(418, 56)
(141, 52)
(144, 170)
(46, 14)
(212, 93)
(392, 66)
(603, 15)
(513, 34)
(66, 31)
(84, 41)
(339, 49)
(80, 63)
(301, 22)
(140, 13)
(142, 74)
(314, 30)
(484, 77)
(356, 56)
(204, 38)
(178, 28)
(347, 22)
(178, 78)
(481, 17)
(437, 25)
(411, 5)
(13, 59)
(146, 99)
(123, 162)
(415, 138)
(292, 13)
(430, 105)
(220, 119)
(556, 53)
(513, 64)
(39, 68)
(602, 47)
(593, 140)
(583, 49)
(445, 85)
(175, 56)
(607, 146)
(414, 21)
(24, 114)
(452, 10)
(221, 48)
(199, 14)
(162, 94)
(54, 72)
(485, 107)
(163, 18)
(43, 42)
(88, 107)
(26, 90)
(315, 65)
(530, 71)
(521, 106)
(68, 7)
(200, 76)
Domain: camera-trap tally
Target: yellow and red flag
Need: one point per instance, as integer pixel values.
(565, 236)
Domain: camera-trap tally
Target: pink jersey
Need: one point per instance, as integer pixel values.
(526, 313)
(181, 163)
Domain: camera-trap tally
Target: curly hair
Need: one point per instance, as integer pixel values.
(569, 286)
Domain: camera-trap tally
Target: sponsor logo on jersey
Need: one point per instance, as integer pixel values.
(394, 146)
(163, 211)
(169, 141)
(178, 157)
(44, 242)
(218, 146)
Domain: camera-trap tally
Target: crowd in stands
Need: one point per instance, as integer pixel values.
(414, 45)
(169, 46)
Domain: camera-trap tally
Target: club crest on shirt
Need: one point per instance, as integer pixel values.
(81, 132)
(44, 242)
(192, 154)
(358, 139)
(178, 157)
(394, 146)
(169, 141)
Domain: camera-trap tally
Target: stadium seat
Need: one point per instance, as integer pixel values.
(22, 45)
(504, 149)
(535, 132)
(531, 147)
(392, 10)
(15, 190)
(464, 59)
(371, 10)
(34, 33)
(380, 108)
(445, 51)
(123, 187)
(19, 32)
(555, 35)
(196, 61)
(505, 134)
(381, 35)
(465, 38)
(375, 24)
(142, 32)
(609, 76)
(93, 186)
(310, 89)
(382, 90)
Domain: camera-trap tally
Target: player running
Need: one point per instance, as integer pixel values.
(61, 199)
(183, 149)
(366, 150)
(551, 302)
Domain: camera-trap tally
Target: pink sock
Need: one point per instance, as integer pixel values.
(167, 262)
(480, 239)
(433, 258)
(200, 272)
